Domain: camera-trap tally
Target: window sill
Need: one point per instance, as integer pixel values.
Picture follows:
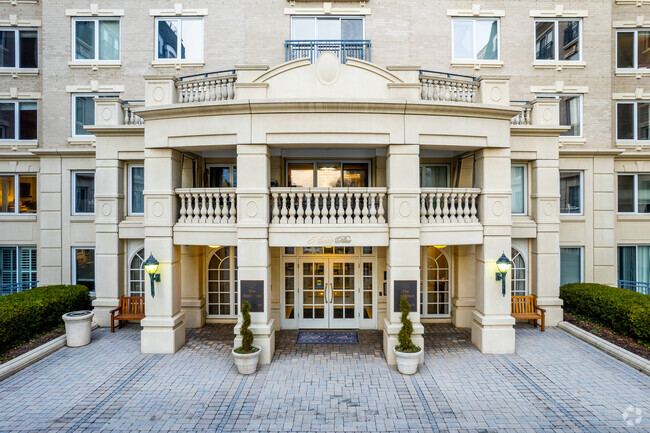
(477, 64)
(630, 72)
(571, 217)
(177, 64)
(572, 140)
(16, 72)
(633, 217)
(558, 66)
(18, 144)
(94, 65)
(31, 217)
(82, 218)
(89, 140)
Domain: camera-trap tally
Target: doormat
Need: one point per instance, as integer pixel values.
(327, 337)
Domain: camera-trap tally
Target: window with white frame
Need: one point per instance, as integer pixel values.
(633, 49)
(348, 174)
(18, 48)
(436, 289)
(570, 113)
(136, 274)
(222, 283)
(327, 28)
(83, 111)
(18, 193)
(83, 267)
(96, 39)
(434, 176)
(18, 120)
(136, 189)
(634, 263)
(570, 265)
(83, 192)
(570, 192)
(222, 175)
(633, 193)
(633, 120)
(519, 279)
(475, 38)
(558, 39)
(18, 265)
(518, 183)
(179, 38)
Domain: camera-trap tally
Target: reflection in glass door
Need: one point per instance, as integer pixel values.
(342, 297)
(314, 302)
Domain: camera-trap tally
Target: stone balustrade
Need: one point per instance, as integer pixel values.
(328, 205)
(207, 205)
(525, 117)
(128, 109)
(448, 205)
(439, 88)
(214, 86)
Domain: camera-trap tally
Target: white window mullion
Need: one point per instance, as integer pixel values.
(556, 45)
(96, 39)
(17, 47)
(636, 193)
(635, 47)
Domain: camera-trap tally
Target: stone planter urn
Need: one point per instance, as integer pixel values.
(407, 363)
(78, 327)
(247, 362)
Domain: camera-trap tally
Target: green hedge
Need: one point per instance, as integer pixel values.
(27, 314)
(624, 311)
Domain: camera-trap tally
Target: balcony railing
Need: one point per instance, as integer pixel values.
(207, 206)
(311, 49)
(525, 117)
(636, 286)
(211, 86)
(443, 86)
(448, 205)
(328, 205)
(10, 288)
(130, 118)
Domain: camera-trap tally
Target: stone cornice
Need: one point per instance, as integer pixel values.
(536, 131)
(116, 131)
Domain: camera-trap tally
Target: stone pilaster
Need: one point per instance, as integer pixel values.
(464, 279)
(192, 290)
(49, 216)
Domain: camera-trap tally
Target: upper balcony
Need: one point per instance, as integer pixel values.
(312, 49)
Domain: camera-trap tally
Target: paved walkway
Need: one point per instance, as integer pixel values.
(553, 383)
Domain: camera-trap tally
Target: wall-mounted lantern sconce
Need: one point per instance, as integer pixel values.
(440, 246)
(503, 264)
(151, 266)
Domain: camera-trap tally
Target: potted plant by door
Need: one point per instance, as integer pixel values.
(247, 355)
(407, 354)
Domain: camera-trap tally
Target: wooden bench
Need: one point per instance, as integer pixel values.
(525, 307)
(130, 308)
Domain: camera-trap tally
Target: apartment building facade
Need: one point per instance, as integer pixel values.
(321, 159)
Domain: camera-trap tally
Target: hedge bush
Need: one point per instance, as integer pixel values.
(27, 314)
(624, 311)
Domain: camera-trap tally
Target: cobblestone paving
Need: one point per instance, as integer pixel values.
(553, 383)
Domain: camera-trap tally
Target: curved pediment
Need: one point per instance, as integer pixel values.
(328, 78)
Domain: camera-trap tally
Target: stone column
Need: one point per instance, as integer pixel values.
(192, 291)
(604, 203)
(49, 217)
(492, 325)
(163, 328)
(464, 286)
(253, 253)
(403, 255)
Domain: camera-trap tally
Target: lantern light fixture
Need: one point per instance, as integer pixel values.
(151, 267)
(503, 265)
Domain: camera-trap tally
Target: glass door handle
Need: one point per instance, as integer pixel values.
(330, 293)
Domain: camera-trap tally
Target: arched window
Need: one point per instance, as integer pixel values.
(136, 274)
(435, 295)
(519, 273)
(222, 283)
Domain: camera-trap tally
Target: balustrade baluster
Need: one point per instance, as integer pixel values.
(357, 209)
(380, 212)
(373, 209)
(180, 93)
(326, 208)
(438, 208)
(445, 207)
(466, 216)
(231, 89)
(423, 208)
(435, 93)
(473, 209)
(233, 208)
(348, 210)
(196, 209)
(308, 213)
(210, 219)
(204, 209)
(183, 211)
(430, 212)
(276, 210)
(292, 209)
(301, 212)
(341, 209)
(453, 208)
(225, 211)
(283, 209)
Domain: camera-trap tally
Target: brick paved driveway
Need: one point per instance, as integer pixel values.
(553, 383)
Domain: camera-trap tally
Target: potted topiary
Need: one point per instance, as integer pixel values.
(406, 353)
(247, 355)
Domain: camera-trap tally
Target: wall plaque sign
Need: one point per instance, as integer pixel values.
(330, 240)
(253, 292)
(408, 289)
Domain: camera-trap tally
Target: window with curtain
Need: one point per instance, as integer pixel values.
(634, 263)
(558, 39)
(136, 190)
(570, 192)
(179, 38)
(96, 39)
(519, 278)
(633, 120)
(434, 176)
(18, 48)
(475, 39)
(633, 49)
(518, 182)
(570, 265)
(136, 274)
(18, 193)
(18, 120)
(633, 193)
(327, 28)
(84, 192)
(83, 267)
(18, 264)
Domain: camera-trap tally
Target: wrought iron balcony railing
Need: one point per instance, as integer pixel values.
(636, 286)
(311, 49)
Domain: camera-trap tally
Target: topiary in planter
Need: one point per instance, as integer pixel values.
(405, 343)
(246, 334)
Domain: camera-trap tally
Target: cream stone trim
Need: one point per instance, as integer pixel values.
(16, 72)
(14, 93)
(636, 73)
(176, 64)
(476, 11)
(15, 2)
(477, 64)
(559, 12)
(639, 21)
(639, 93)
(16, 145)
(94, 64)
(327, 9)
(94, 87)
(15, 21)
(90, 140)
(638, 3)
(558, 65)
(94, 11)
(178, 11)
(559, 87)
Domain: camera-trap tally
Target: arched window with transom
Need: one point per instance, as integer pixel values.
(136, 274)
(519, 273)
(222, 283)
(435, 296)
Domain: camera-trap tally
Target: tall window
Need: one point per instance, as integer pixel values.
(222, 176)
(18, 264)
(83, 110)
(518, 182)
(570, 265)
(96, 39)
(83, 267)
(18, 120)
(519, 273)
(570, 113)
(222, 283)
(136, 274)
(136, 190)
(434, 176)
(633, 49)
(328, 174)
(634, 263)
(327, 28)
(179, 38)
(435, 294)
(83, 189)
(18, 193)
(18, 48)
(634, 193)
(475, 39)
(570, 192)
(633, 120)
(558, 39)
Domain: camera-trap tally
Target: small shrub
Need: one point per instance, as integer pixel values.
(28, 314)
(406, 345)
(624, 311)
(247, 336)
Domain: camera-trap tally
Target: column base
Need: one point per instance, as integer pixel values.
(462, 309)
(264, 337)
(390, 339)
(194, 310)
(162, 334)
(102, 308)
(554, 312)
(494, 333)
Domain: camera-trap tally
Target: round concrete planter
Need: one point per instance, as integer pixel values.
(247, 362)
(77, 327)
(407, 363)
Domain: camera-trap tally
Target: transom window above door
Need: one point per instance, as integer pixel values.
(327, 28)
(328, 174)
